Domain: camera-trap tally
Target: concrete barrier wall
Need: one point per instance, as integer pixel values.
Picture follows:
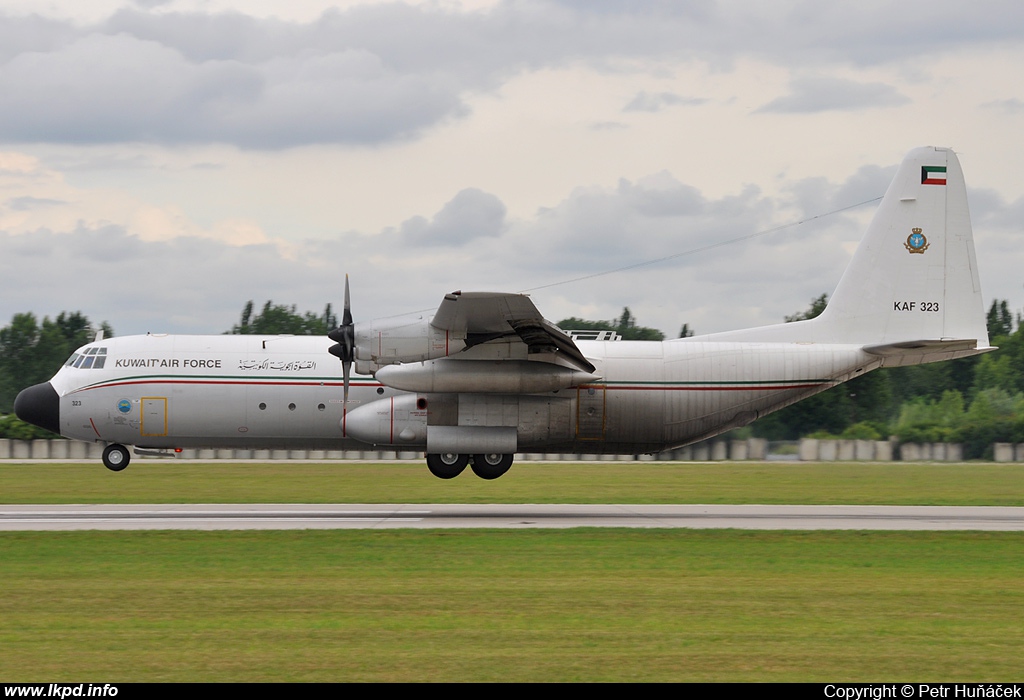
(808, 450)
(1002, 452)
(816, 450)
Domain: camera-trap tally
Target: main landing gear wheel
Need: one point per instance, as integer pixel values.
(116, 457)
(447, 465)
(491, 466)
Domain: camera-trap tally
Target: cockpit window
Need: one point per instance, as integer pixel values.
(89, 358)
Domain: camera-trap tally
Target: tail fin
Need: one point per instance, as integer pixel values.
(912, 286)
(914, 276)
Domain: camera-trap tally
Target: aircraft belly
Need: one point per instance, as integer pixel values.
(711, 389)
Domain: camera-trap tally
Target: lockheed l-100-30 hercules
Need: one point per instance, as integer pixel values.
(487, 376)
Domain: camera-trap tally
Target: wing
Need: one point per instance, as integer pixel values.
(488, 316)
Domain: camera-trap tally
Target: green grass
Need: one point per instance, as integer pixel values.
(528, 482)
(524, 605)
(534, 605)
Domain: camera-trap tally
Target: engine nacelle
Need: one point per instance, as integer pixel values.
(462, 423)
(399, 420)
(391, 341)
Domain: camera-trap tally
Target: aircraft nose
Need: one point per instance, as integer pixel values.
(39, 405)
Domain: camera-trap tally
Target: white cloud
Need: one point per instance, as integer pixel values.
(655, 102)
(821, 94)
(375, 73)
(471, 214)
(119, 88)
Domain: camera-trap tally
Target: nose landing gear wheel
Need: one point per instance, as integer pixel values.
(116, 457)
(491, 466)
(447, 465)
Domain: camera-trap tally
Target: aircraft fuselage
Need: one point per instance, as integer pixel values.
(286, 392)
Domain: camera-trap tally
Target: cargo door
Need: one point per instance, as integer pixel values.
(590, 405)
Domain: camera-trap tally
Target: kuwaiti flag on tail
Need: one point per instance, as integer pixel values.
(933, 174)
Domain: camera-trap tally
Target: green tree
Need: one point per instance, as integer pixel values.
(999, 319)
(624, 325)
(1004, 368)
(818, 305)
(278, 319)
(76, 329)
(31, 352)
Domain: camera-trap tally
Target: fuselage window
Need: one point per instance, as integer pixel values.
(263, 407)
(291, 407)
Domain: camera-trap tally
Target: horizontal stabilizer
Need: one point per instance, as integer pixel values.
(917, 351)
(911, 347)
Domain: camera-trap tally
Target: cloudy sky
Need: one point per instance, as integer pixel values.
(163, 162)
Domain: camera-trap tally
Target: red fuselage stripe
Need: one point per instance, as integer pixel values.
(224, 381)
(777, 387)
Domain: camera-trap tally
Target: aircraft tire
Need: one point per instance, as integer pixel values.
(447, 465)
(491, 466)
(116, 457)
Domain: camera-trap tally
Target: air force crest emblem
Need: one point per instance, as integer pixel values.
(916, 242)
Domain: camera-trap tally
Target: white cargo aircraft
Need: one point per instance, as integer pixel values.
(487, 376)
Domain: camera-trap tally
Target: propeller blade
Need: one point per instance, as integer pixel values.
(346, 368)
(345, 338)
(346, 317)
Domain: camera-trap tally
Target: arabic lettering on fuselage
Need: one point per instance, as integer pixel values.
(276, 365)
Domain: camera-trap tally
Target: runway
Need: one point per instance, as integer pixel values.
(424, 516)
